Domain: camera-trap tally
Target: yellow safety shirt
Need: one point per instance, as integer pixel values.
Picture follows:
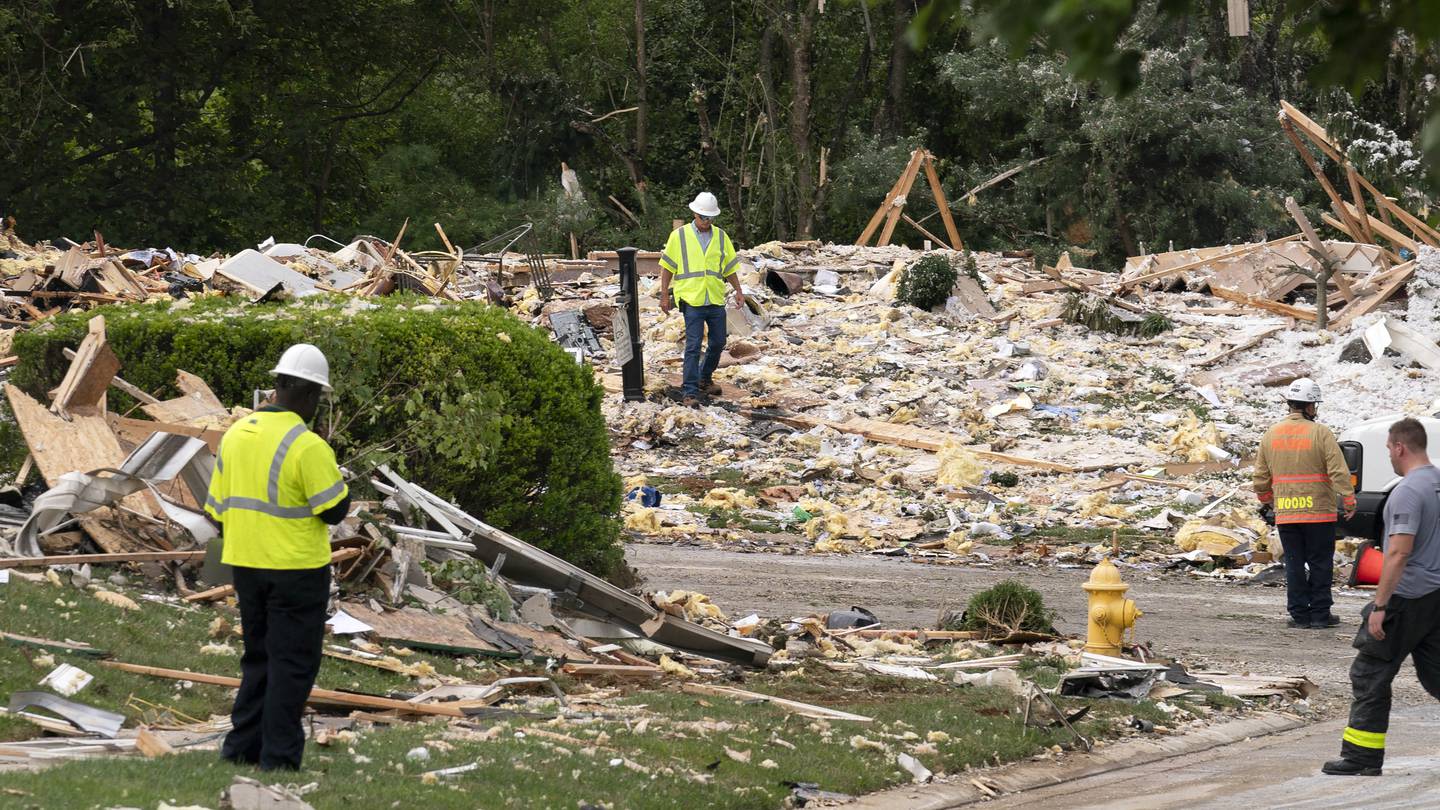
(699, 274)
(272, 479)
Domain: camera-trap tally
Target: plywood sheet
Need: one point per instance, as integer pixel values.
(420, 629)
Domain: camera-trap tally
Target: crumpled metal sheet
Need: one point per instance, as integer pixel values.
(80, 715)
(160, 459)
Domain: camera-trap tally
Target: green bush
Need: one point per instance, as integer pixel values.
(1004, 608)
(463, 399)
(928, 282)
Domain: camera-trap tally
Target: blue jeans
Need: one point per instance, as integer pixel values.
(696, 321)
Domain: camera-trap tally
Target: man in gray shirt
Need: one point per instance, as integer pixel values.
(1404, 619)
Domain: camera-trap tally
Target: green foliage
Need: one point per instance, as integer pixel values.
(464, 399)
(469, 581)
(1005, 478)
(1007, 607)
(927, 282)
(1099, 315)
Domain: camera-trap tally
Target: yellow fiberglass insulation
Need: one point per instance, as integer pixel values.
(726, 498)
(958, 466)
(1191, 440)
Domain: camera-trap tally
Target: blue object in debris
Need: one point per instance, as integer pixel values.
(1060, 410)
(1406, 254)
(649, 496)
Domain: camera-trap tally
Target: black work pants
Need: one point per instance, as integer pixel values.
(1309, 569)
(282, 616)
(1412, 628)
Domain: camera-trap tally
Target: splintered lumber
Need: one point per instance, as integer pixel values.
(1238, 297)
(613, 670)
(941, 203)
(196, 401)
(71, 647)
(327, 697)
(1237, 348)
(1390, 283)
(134, 432)
(792, 706)
(116, 381)
(89, 374)
(914, 437)
(416, 628)
(1229, 254)
(97, 559)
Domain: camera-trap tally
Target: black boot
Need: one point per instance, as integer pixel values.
(1349, 767)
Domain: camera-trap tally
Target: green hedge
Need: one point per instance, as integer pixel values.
(463, 399)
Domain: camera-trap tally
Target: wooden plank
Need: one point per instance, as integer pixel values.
(942, 203)
(613, 671)
(1237, 348)
(327, 697)
(1238, 17)
(119, 383)
(89, 374)
(1397, 278)
(1312, 130)
(921, 228)
(83, 444)
(792, 706)
(1395, 237)
(1260, 303)
(1352, 226)
(134, 432)
(416, 628)
(195, 403)
(1229, 254)
(1417, 226)
(1318, 247)
(98, 559)
(1362, 215)
(897, 204)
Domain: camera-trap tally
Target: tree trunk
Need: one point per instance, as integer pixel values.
(800, 37)
(779, 225)
(894, 113)
(641, 101)
(722, 167)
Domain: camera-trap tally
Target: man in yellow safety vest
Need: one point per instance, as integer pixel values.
(275, 488)
(699, 259)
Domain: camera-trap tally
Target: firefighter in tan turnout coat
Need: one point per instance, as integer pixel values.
(1301, 474)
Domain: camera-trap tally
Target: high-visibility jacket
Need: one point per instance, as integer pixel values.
(1301, 470)
(272, 479)
(699, 275)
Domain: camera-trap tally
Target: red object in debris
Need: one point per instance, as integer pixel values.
(1367, 570)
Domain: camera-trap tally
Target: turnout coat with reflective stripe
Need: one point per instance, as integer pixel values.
(699, 275)
(1301, 470)
(272, 479)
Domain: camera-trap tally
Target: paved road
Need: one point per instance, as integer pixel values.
(1279, 771)
(1235, 627)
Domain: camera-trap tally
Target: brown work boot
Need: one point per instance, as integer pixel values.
(710, 388)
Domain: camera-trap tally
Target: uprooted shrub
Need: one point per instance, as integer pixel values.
(927, 283)
(461, 398)
(1007, 607)
(1101, 316)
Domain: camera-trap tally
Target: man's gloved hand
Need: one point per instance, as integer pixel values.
(1267, 514)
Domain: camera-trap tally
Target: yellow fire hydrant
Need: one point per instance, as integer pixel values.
(1111, 614)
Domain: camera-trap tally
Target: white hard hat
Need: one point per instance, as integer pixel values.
(1303, 390)
(706, 205)
(305, 362)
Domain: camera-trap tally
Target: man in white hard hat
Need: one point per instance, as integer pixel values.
(1301, 474)
(698, 260)
(275, 488)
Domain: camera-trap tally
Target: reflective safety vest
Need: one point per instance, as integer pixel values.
(1300, 470)
(699, 275)
(272, 479)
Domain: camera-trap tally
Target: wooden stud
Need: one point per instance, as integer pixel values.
(928, 235)
(942, 203)
(897, 201)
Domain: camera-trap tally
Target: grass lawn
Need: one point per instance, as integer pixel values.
(623, 746)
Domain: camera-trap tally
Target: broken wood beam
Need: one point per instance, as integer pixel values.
(322, 696)
(116, 381)
(1229, 254)
(792, 706)
(613, 670)
(222, 591)
(96, 559)
(928, 235)
(1238, 297)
